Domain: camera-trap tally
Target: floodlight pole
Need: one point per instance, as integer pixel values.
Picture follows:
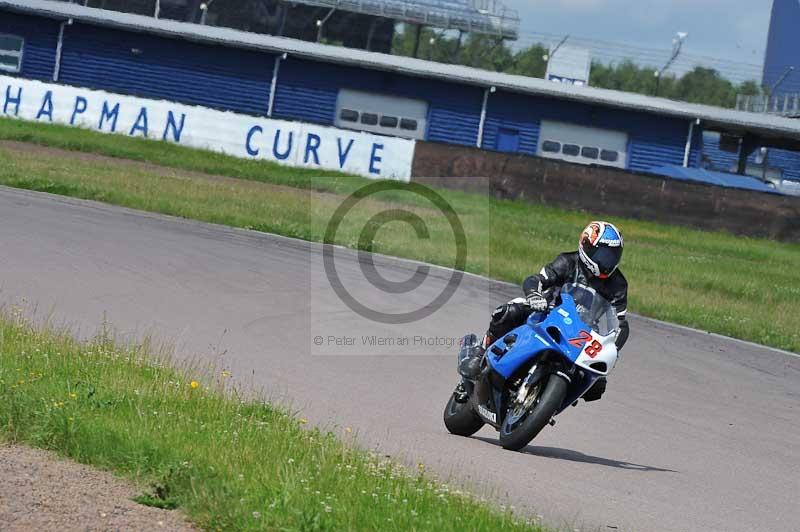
(781, 80)
(321, 23)
(204, 7)
(559, 45)
(157, 9)
(417, 36)
(371, 32)
(550, 55)
(677, 44)
(459, 42)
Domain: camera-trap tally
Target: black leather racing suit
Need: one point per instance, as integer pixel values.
(566, 268)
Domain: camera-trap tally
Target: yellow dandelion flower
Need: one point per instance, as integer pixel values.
(303, 421)
(73, 396)
(226, 374)
(194, 385)
(348, 430)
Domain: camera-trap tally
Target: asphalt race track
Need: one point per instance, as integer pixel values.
(696, 432)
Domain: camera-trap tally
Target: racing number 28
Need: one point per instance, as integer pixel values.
(593, 349)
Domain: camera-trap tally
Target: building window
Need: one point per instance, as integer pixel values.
(589, 152)
(573, 150)
(582, 144)
(610, 156)
(348, 115)
(389, 121)
(11, 53)
(384, 114)
(551, 146)
(369, 119)
(408, 124)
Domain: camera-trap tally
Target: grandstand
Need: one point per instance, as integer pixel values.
(366, 24)
(474, 16)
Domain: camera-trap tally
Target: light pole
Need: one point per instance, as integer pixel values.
(204, 8)
(321, 22)
(677, 44)
(781, 79)
(549, 56)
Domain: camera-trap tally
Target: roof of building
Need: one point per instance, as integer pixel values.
(710, 177)
(773, 130)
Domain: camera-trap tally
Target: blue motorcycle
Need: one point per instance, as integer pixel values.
(537, 370)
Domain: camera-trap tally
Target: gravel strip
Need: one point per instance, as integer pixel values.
(39, 491)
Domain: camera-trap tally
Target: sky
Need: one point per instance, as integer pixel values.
(734, 30)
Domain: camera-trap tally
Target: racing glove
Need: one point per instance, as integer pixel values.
(537, 302)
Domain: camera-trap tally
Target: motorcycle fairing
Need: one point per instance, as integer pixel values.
(561, 330)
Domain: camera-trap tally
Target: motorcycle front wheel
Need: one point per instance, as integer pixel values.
(519, 428)
(460, 419)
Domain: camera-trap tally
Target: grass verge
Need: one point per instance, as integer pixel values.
(228, 463)
(741, 287)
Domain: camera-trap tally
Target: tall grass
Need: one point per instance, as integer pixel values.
(229, 462)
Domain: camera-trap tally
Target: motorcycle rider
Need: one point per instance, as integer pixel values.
(594, 264)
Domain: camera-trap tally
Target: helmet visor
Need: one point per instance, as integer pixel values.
(606, 258)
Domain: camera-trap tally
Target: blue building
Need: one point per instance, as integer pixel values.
(782, 62)
(295, 80)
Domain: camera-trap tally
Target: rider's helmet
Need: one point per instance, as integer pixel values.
(600, 248)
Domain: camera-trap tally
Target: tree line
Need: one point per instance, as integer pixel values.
(700, 85)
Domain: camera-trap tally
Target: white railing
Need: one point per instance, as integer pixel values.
(783, 104)
(480, 16)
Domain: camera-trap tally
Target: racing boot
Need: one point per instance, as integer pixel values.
(470, 358)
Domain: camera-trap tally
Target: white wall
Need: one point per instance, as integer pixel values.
(288, 143)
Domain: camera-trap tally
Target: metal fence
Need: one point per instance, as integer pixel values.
(478, 16)
(784, 104)
(475, 16)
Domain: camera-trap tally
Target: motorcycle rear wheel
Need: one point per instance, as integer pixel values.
(460, 419)
(515, 437)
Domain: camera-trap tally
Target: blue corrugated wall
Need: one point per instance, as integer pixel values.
(239, 80)
(171, 69)
(783, 44)
(512, 111)
(307, 90)
(41, 39)
(654, 140)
